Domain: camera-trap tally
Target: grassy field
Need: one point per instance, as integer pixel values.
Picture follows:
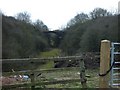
(73, 73)
(51, 53)
(92, 80)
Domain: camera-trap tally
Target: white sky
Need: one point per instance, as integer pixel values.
(54, 13)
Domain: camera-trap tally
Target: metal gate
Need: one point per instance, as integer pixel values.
(115, 63)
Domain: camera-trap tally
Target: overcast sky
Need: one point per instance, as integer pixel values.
(54, 13)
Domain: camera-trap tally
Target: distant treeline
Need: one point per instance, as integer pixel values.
(22, 38)
(85, 32)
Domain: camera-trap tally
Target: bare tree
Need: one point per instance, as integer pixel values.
(82, 17)
(23, 16)
(40, 25)
(98, 12)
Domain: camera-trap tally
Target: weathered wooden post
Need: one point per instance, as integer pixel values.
(104, 64)
(32, 77)
(82, 74)
(32, 81)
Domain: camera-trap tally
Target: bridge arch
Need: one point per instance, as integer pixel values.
(54, 37)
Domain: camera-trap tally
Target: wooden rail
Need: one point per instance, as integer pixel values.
(27, 72)
(67, 58)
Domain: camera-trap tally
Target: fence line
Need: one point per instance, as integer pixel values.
(104, 68)
(31, 73)
(66, 58)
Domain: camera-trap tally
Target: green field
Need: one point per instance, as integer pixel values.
(51, 53)
(72, 73)
(92, 79)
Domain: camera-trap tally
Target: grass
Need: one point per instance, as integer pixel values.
(92, 80)
(51, 53)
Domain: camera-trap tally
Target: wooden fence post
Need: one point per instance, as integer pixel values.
(104, 64)
(32, 81)
(32, 76)
(82, 74)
